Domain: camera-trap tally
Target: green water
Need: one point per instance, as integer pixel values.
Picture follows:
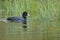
(35, 31)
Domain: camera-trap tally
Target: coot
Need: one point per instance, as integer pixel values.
(22, 18)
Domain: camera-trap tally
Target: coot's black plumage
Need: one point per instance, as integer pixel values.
(18, 19)
(22, 18)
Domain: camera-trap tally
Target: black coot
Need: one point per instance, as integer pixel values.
(19, 19)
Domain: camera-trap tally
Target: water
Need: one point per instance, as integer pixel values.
(35, 31)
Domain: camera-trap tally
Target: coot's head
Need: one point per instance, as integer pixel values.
(25, 14)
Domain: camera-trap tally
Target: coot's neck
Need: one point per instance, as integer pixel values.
(24, 17)
(25, 21)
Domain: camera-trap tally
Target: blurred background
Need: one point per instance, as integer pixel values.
(44, 22)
